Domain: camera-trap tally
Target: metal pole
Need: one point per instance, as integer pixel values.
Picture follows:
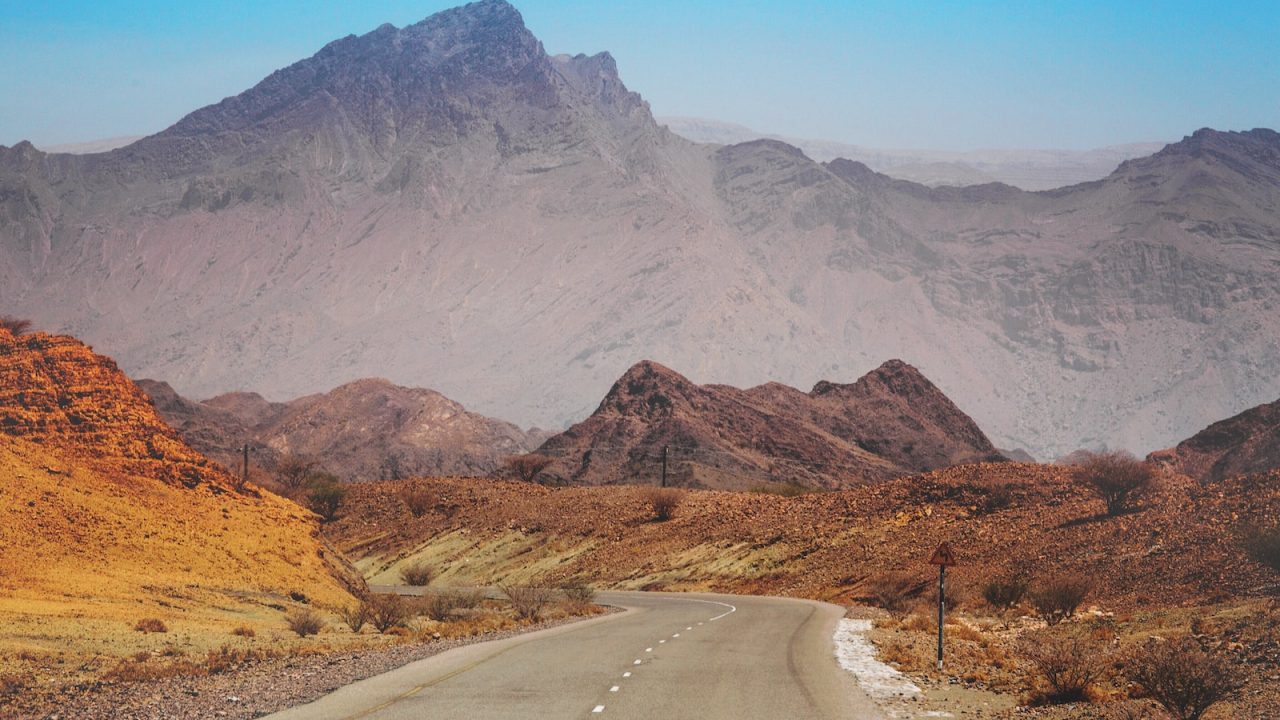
(664, 466)
(244, 468)
(942, 603)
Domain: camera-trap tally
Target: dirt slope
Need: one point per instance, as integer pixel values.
(891, 422)
(821, 545)
(1246, 443)
(108, 517)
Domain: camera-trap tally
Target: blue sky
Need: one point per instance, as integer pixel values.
(882, 74)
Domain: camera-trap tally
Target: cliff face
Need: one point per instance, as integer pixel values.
(446, 205)
(890, 423)
(100, 496)
(1241, 445)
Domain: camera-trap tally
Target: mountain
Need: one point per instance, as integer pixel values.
(891, 422)
(364, 430)
(1025, 169)
(110, 518)
(1245, 444)
(446, 204)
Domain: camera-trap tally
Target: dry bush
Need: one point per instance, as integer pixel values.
(244, 631)
(1263, 544)
(387, 612)
(440, 606)
(417, 574)
(1005, 593)
(293, 473)
(17, 326)
(227, 658)
(920, 622)
(355, 616)
(304, 621)
(1182, 677)
(151, 625)
(326, 497)
(994, 496)
(528, 602)
(1129, 710)
(1059, 597)
(529, 466)
(902, 655)
(417, 501)
(893, 591)
(662, 501)
(578, 592)
(1117, 477)
(12, 684)
(1065, 665)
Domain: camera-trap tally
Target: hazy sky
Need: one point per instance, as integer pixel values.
(1027, 73)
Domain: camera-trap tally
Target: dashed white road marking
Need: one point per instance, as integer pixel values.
(613, 689)
(637, 662)
(691, 627)
(699, 623)
(648, 649)
(676, 635)
(661, 641)
(598, 709)
(626, 674)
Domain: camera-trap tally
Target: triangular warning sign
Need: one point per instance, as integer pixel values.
(943, 555)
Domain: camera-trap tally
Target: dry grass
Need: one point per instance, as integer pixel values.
(151, 625)
(244, 631)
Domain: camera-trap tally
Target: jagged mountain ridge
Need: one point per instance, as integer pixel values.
(368, 429)
(517, 234)
(890, 423)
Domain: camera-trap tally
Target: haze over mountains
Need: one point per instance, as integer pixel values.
(446, 205)
(1025, 169)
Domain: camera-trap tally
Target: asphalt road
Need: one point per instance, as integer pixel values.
(671, 655)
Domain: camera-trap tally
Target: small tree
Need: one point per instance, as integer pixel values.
(1005, 593)
(325, 498)
(387, 611)
(294, 473)
(1263, 544)
(1057, 598)
(304, 621)
(1182, 677)
(17, 326)
(355, 616)
(1117, 477)
(417, 574)
(663, 502)
(528, 602)
(527, 467)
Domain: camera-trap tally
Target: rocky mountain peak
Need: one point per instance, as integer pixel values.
(646, 388)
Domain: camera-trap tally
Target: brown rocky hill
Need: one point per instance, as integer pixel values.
(1244, 444)
(1000, 518)
(109, 517)
(363, 430)
(447, 204)
(891, 422)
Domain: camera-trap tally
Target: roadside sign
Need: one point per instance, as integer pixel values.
(943, 555)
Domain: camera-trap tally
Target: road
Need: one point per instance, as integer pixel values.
(670, 655)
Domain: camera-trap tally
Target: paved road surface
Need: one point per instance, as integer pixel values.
(671, 655)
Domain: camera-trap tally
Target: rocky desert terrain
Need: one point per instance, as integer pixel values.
(1246, 443)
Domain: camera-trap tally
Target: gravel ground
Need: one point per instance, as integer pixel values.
(252, 690)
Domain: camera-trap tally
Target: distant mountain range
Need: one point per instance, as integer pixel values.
(1026, 169)
(890, 423)
(365, 430)
(446, 205)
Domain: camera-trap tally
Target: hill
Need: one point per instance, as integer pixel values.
(110, 518)
(447, 204)
(1241, 445)
(891, 422)
(1000, 518)
(363, 430)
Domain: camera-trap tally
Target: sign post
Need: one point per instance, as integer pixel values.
(943, 558)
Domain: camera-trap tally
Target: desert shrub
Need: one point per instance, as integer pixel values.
(294, 473)
(151, 625)
(418, 502)
(1065, 665)
(994, 497)
(244, 631)
(893, 591)
(440, 606)
(662, 501)
(1005, 593)
(1116, 476)
(325, 497)
(578, 592)
(1181, 676)
(529, 466)
(527, 602)
(787, 489)
(417, 574)
(17, 326)
(1263, 545)
(387, 612)
(304, 621)
(356, 615)
(1058, 598)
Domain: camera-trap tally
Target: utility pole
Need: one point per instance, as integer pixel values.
(664, 466)
(244, 467)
